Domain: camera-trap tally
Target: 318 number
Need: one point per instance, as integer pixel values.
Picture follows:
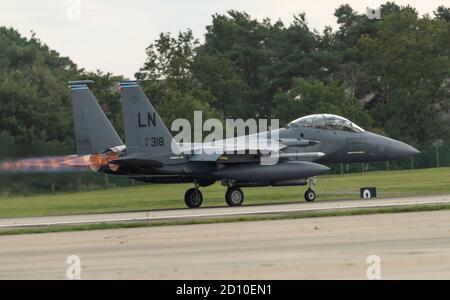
(157, 142)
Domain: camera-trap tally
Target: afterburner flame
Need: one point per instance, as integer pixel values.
(70, 163)
(97, 161)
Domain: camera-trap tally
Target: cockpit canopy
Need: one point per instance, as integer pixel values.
(326, 122)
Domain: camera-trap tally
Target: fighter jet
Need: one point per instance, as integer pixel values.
(150, 154)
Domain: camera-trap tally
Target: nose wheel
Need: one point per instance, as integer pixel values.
(193, 198)
(310, 194)
(234, 196)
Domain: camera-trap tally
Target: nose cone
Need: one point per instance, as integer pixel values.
(383, 148)
(400, 150)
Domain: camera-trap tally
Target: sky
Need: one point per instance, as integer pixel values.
(112, 35)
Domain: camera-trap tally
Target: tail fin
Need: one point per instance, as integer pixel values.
(93, 131)
(145, 132)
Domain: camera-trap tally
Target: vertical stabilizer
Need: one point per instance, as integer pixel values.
(93, 131)
(145, 131)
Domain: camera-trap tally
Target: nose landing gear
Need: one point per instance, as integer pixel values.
(310, 194)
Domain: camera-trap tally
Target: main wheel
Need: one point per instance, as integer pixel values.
(193, 198)
(234, 196)
(310, 195)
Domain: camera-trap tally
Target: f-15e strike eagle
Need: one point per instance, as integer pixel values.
(150, 154)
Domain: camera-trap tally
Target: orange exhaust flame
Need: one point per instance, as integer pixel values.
(70, 163)
(97, 161)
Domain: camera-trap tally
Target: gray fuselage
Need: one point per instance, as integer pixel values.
(334, 144)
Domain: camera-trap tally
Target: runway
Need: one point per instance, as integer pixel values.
(409, 245)
(180, 214)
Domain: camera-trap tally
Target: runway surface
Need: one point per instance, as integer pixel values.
(179, 214)
(410, 246)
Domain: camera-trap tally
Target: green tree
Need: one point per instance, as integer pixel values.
(312, 97)
(33, 92)
(170, 59)
(168, 78)
(408, 65)
(238, 42)
(228, 91)
(35, 104)
(443, 13)
(260, 58)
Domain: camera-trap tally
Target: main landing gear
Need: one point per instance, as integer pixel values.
(194, 198)
(234, 196)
